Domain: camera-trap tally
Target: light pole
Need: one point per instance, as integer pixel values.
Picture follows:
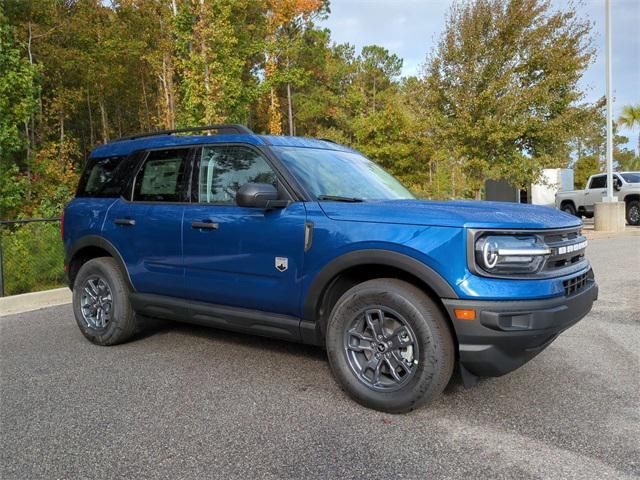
(609, 213)
(609, 197)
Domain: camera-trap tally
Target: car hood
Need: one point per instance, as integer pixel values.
(471, 214)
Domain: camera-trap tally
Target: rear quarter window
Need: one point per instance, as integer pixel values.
(105, 177)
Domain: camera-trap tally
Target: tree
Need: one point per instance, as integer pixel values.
(502, 87)
(583, 168)
(590, 142)
(285, 19)
(218, 41)
(18, 101)
(630, 118)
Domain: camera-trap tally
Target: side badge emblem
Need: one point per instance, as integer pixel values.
(282, 263)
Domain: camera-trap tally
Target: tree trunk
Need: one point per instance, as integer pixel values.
(29, 45)
(91, 133)
(147, 126)
(119, 121)
(103, 116)
(453, 181)
(167, 85)
(290, 109)
(28, 134)
(374, 95)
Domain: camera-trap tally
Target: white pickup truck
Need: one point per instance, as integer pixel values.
(580, 202)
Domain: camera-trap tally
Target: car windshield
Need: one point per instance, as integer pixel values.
(341, 176)
(632, 177)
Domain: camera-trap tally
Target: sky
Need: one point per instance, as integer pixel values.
(411, 28)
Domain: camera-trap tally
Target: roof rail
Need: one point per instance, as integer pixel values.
(227, 129)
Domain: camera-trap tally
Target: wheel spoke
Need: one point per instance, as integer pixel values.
(375, 318)
(392, 368)
(90, 293)
(92, 284)
(400, 361)
(360, 347)
(374, 364)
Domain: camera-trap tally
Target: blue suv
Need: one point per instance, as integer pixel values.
(309, 241)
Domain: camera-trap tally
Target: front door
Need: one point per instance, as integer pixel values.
(237, 256)
(597, 189)
(146, 229)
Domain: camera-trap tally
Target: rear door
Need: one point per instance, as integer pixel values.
(597, 189)
(146, 228)
(236, 256)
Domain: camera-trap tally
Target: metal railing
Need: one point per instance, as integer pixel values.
(31, 255)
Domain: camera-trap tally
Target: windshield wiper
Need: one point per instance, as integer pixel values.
(337, 198)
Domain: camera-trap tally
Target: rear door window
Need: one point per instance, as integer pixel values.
(162, 177)
(599, 182)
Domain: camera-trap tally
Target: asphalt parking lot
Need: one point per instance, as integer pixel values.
(189, 402)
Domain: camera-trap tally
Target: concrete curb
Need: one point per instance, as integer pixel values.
(27, 302)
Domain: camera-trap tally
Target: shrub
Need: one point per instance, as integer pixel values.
(33, 257)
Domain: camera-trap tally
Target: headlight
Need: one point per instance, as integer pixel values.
(510, 254)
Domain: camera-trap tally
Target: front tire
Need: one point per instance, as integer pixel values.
(570, 209)
(101, 303)
(633, 212)
(389, 346)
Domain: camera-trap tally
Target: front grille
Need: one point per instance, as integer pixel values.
(567, 250)
(575, 284)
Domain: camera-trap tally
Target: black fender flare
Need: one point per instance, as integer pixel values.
(104, 244)
(372, 256)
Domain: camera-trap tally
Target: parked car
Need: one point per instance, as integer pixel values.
(580, 202)
(309, 241)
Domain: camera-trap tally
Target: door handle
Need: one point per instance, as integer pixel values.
(125, 221)
(207, 225)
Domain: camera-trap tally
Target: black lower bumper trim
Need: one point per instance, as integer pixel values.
(507, 334)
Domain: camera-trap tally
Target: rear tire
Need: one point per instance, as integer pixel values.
(570, 209)
(101, 303)
(633, 212)
(406, 363)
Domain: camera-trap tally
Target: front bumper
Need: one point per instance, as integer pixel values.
(507, 334)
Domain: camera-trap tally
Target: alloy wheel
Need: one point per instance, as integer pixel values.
(96, 303)
(381, 349)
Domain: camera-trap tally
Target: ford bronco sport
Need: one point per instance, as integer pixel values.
(307, 240)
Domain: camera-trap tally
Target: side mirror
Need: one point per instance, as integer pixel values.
(617, 184)
(259, 195)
